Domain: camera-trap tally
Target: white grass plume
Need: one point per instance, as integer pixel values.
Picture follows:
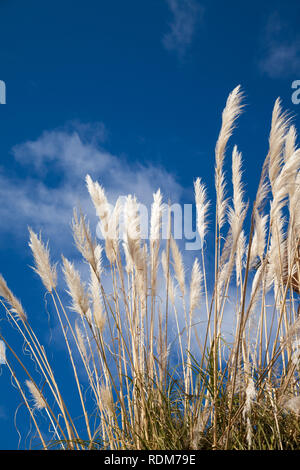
(238, 211)
(284, 183)
(112, 238)
(156, 215)
(80, 301)
(293, 404)
(178, 266)
(132, 235)
(43, 267)
(167, 275)
(259, 238)
(279, 127)
(99, 199)
(39, 402)
(230, 113)
(290, 143)
(83, 239)
(15, 304)
(195, 286)
(97, 305)
(81, 340)
(202, 206)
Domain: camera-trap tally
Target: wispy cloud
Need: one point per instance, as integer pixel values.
(281, 49)
(186, 14)
(49, 182)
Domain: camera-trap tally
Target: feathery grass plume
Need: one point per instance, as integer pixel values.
(107, 399)
(2, 352)
(259, 238)
(224, 273)
(202, 206)
(43, 267)
(230, 113)
(14, 303)
(238, 210)
(39, 402)
(80, 340)
(98, 257)
(239, 386)
(289, 151)
(80, 301)
(132, 218)
(250, 396)
(250, 399)
(239, 206)
(256, 289)
(262, 191)
(292, 338)
(141, 274)
(129, 261)
(240, 256)
(277, 268)
(295, 351)
(293, 404)
(155, 227)
(132, 235)
(169, 281)
(284, 182)
(264, 183)
(83, 239)
(195, 286)
(293, 232)
(156, 214)
(290, 143)
(112, 239)
(279, 127)
(100, 202)
(97, 305)
(199, 428)
(238, 187)
(109, 220)
(178, 266)
(294, 195)
(230, 247)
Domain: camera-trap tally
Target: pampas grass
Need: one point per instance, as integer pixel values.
(41, 256)
(145, 328)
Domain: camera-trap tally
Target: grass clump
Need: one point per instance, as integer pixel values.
(160, 371)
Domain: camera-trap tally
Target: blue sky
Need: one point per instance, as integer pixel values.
(131, 92)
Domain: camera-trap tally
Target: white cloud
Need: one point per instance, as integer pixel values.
(185, 16)
(282, 60)
(281, 55)
(49, 182)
